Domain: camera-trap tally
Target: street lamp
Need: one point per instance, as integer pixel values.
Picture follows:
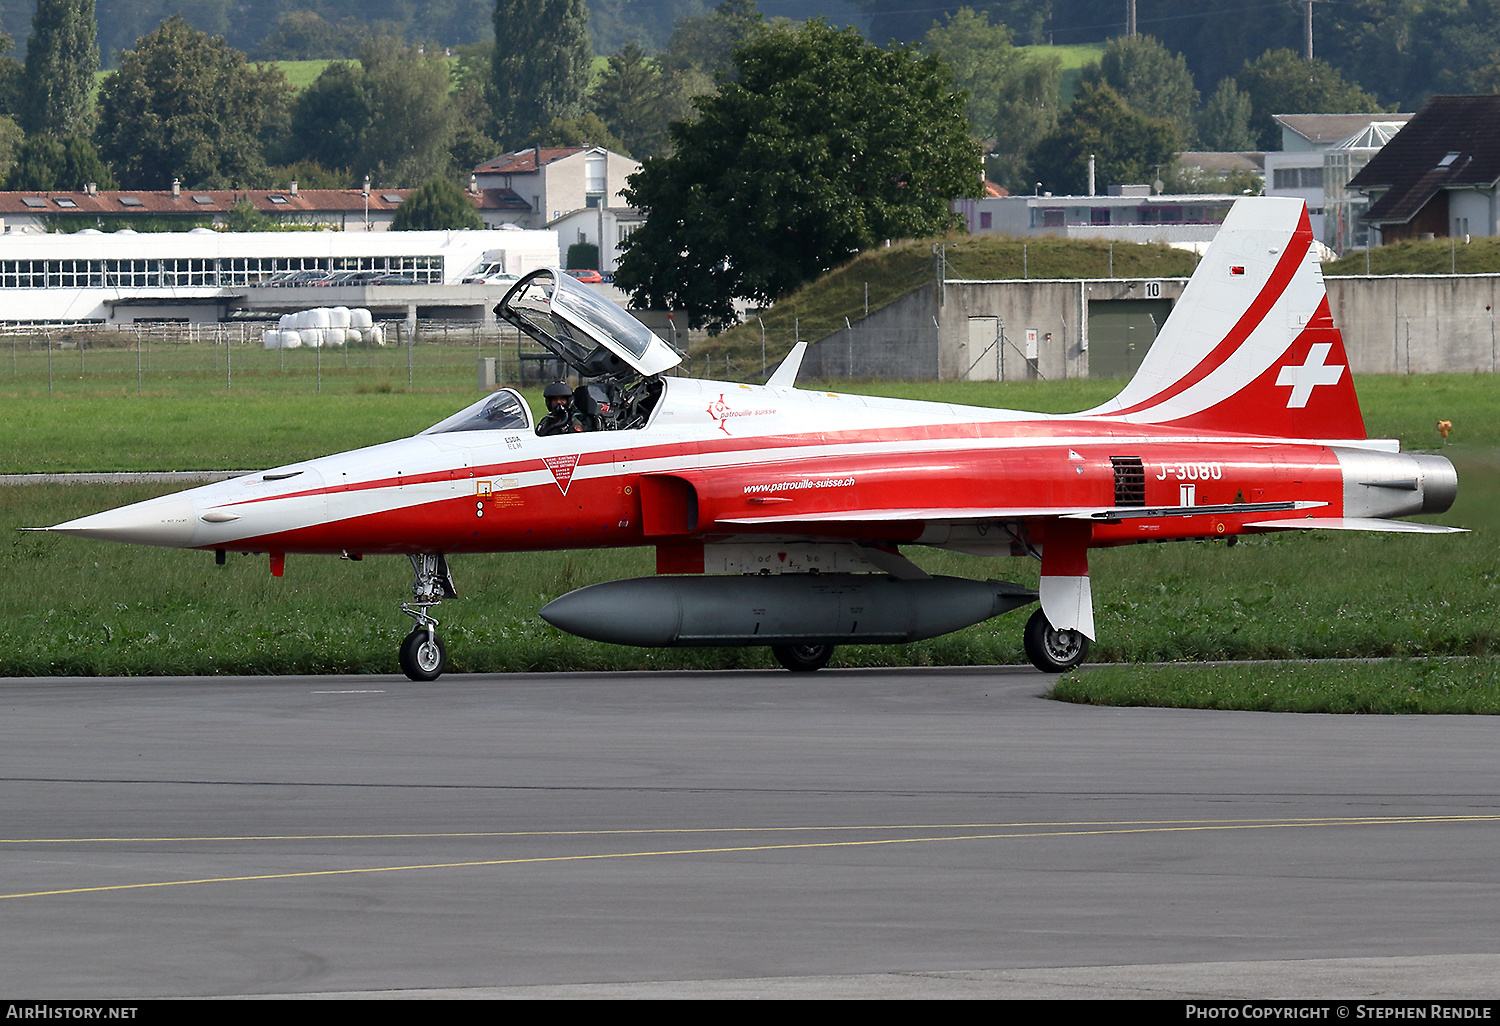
(367, 202)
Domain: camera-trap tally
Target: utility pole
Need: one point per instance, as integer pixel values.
(1130, 19)
(1308, 47)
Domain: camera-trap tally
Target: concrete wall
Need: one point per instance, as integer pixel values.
(1415, 324)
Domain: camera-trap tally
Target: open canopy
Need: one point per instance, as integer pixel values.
(595, 336)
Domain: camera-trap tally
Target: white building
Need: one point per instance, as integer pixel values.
(204, 276)
(1319, 154)
(1130, 213)
(536, 186)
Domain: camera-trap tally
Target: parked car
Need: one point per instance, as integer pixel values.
(587, 276)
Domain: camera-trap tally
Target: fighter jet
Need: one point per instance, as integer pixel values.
(782, 516)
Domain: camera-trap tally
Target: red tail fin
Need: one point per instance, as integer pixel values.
(1251, 346)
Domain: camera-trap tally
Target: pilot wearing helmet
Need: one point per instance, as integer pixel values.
(559, 418)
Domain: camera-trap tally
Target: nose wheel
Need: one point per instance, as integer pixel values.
(1051, 650)
(423, 656)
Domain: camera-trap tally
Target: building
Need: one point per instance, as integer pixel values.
(63, 210)
(606, 227)
(533, 187)
(203, 276)
(1439, 175)
(1130, 213)
(1319, 154)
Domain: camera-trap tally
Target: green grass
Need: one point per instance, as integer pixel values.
(1073, 59)
(1440, 256)
(1466, 685)
(821, 307)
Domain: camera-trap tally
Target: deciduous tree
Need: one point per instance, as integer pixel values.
(1281, 82)
(541, 65)
(817, 147)
(1126, 146)
(1151, 79)
(184, 105)
(61, 58)
(437, 205)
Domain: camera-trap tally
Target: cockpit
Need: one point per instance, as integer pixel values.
(501, 411)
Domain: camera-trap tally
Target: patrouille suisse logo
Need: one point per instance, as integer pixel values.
(562, 469)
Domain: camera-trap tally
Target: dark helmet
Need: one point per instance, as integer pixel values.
(557, 390)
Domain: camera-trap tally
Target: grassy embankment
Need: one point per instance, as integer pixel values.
(82, 607)
(821, 307)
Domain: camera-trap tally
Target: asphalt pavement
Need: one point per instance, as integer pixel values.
(904, 833)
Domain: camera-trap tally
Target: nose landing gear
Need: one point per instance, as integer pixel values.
(422, 654)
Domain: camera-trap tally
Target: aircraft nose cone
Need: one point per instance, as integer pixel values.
(167, 521)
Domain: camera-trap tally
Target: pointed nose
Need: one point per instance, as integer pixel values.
(167, 521)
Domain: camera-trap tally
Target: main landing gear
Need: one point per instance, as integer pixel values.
(803, 658)
(1051, 650)
(423, 656)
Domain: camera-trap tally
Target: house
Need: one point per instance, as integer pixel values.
(533, 187)
(1439, 175)
(70, 210)
(1319, 154)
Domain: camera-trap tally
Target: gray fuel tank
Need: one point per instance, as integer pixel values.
(780, 609)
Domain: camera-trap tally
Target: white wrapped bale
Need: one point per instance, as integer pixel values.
(360, 318)
(338, 317)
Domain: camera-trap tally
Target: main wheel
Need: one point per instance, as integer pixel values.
(423, 655)
(802, 658)
(1051, 650)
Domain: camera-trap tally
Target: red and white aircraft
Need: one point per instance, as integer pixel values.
(778, 513)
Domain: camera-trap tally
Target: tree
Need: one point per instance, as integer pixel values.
(61, 58)
(819, 146)
(1224, 121)
(1126, 146)
(43, 164)
(303, 36)
(1281, 82)
(411, 127)
(630, 98)
(1013, 98)
(187, 106)
(541, 65)
(587, 130)
(707, 43)
(1150, 79)
(437, 205)
(389, 116)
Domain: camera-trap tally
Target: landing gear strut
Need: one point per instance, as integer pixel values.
(803, 658)
(1051, 650)
(422, 653)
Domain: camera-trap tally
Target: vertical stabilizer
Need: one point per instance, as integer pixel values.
(1251, 345)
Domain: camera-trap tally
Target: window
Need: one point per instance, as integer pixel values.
(986, 219)
(131, 201)
(391, 197)
(203, 200)
(281, 200)
(65, 203)
(34, 201)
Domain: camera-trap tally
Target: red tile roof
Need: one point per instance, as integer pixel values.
(524, 161)
(191, 202)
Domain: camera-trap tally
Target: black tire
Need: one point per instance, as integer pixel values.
(1051, 650)
(802, 658)
(421, 660)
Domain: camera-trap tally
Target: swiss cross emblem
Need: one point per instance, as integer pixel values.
(1309, 375)
(562, 469)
